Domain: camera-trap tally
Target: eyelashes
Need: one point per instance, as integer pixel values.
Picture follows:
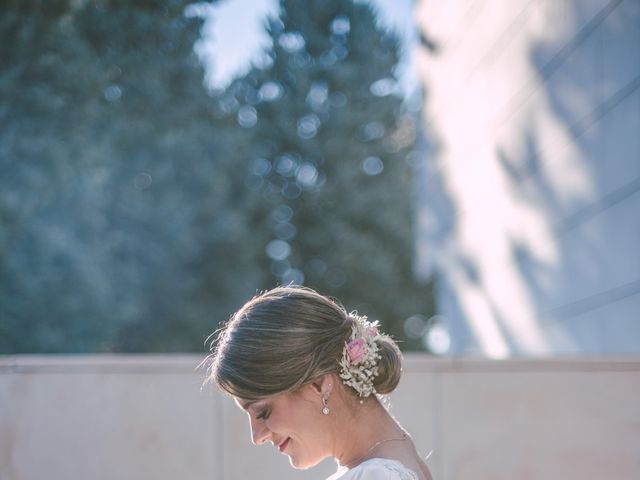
(264, 414)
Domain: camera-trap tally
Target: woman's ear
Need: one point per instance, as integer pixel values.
(323, 385)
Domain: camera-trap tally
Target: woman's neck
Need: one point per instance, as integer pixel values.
(363, 435)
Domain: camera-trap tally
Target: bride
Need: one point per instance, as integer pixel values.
(309, 376)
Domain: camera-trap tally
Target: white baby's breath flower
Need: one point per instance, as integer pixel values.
(360, 356)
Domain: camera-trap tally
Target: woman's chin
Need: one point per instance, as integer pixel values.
(299, 464)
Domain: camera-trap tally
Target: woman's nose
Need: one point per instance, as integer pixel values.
(259, 432)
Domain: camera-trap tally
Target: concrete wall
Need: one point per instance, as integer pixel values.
(530, 190)
(145, 417)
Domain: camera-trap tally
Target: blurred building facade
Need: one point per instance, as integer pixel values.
(529, 193)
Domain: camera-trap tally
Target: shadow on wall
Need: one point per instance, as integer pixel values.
(585, 179)
(542, 258)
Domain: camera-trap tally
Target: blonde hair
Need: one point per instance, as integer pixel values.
(285, 338)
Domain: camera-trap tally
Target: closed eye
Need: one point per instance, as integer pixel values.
(263, 415)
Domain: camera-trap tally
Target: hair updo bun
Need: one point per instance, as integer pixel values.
(286, 337)
(389, 366)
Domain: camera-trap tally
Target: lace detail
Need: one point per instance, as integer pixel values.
(376, 469)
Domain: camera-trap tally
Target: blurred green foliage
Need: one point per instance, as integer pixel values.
(138, 210)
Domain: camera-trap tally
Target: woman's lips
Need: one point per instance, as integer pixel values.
(283, 445)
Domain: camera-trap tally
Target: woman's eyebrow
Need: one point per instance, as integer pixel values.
(246, 405)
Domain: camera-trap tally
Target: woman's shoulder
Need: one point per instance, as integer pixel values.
(376, 469)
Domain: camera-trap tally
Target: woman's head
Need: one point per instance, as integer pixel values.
(287, 337)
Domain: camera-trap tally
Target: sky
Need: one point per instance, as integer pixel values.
(233, 36)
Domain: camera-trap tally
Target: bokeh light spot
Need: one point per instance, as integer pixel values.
(318, 93)
(286, 165)
(373, 131)
(228, 104)
(308, 126)
(383, 87)
(340, 25)
(415, 326)
(292, 276)
(112, 93)
(282, 213)
(247, 116)
(437, 339)
(291, 190)
(372, 166)
(278, 249)
(270, 91)
(291, 41)
(260, 166)
(307, 175)
(286, 231)
(340, 52)
(142, 181)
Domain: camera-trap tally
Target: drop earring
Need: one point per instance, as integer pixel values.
(325, 408)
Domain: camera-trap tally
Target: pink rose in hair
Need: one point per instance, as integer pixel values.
(372, 331)
(356, 350)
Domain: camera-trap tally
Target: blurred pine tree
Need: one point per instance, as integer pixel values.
(137, 210)
(327, 153)
(113, 181)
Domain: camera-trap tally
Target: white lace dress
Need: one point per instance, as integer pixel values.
(376, 469)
